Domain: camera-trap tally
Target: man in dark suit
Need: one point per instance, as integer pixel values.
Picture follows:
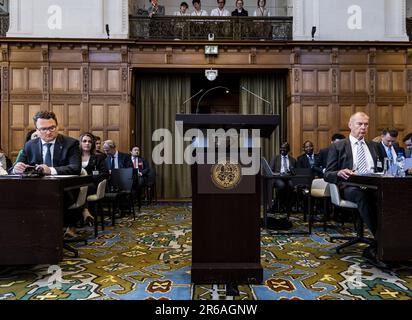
(321, 160)
(52, 152)
(308, 159)
(350, 157)
(239, 11)
(115, 159)
(140, 164)
(387, 148)
(155, 9)
(407, 140)
(283, 164)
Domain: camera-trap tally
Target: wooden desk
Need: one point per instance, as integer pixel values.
(31, 218)
(394, 234)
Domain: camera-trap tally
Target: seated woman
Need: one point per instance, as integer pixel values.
(261, 10)
(95, 165)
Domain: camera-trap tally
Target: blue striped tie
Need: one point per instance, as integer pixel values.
(362, 165)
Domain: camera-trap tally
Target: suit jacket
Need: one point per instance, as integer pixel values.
(243, 13)
(303, 162)
(340, 157)
(320, 161)
(276, 162)
(66, 155)
(160, 11)
(123, 160)
(143, 165)
(97, 163)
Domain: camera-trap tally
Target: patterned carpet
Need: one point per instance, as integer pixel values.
(149, 258)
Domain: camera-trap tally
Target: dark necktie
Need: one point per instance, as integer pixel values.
(135, 162)
(112, 163)
(311, 161)
(48, 159)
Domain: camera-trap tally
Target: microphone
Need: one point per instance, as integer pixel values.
(259, 97)
(187, 100)
(107, 31)
(313, 32)
(200, 99)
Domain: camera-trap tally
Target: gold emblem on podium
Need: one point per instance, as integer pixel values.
(226, 175)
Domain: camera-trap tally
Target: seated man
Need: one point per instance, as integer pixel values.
(321, 160)
(140, 164)
(53, 154)
(308, 158)
(387, 147)
(183, 10)
(220, 11)
(115, 159)
(353, 156)
(283, 164)
(407, 140)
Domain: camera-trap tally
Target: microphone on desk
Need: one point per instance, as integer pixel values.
(187, 100)
(259, 97)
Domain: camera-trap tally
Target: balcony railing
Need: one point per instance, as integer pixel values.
(4, 23)
(198, 28)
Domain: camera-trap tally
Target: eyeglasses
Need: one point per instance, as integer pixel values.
(220, 2)
(44, 130)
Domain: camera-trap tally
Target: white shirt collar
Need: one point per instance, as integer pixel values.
(44, 142)
(353, 140)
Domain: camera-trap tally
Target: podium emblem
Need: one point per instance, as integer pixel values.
(226, 175)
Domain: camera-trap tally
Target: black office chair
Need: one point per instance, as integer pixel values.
(301, 187)
(353, 207)
(120, 191)
(150, 187)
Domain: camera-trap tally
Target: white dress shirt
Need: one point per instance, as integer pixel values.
(220, 13)
(369, 161)
(394, 155)
(199, 13)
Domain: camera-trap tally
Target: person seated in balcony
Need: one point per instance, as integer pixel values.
(239, 11)
(261, 10)
(198, 11)
(183, 11)
(220, 11)
(155, 9)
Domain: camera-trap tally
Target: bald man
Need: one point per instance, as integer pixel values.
(352, 156)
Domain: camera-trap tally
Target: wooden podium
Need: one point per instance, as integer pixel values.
(226, 221)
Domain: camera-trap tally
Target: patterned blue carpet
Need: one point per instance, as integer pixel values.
(149, 258)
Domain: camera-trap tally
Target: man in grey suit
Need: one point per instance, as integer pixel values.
(51, 152)
(352, 156)
(155, 9)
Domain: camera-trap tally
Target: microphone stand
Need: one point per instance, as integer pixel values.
(187, 100)
(200, 99)
(259, 97)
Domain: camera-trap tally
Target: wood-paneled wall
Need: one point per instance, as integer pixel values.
(88, 84)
